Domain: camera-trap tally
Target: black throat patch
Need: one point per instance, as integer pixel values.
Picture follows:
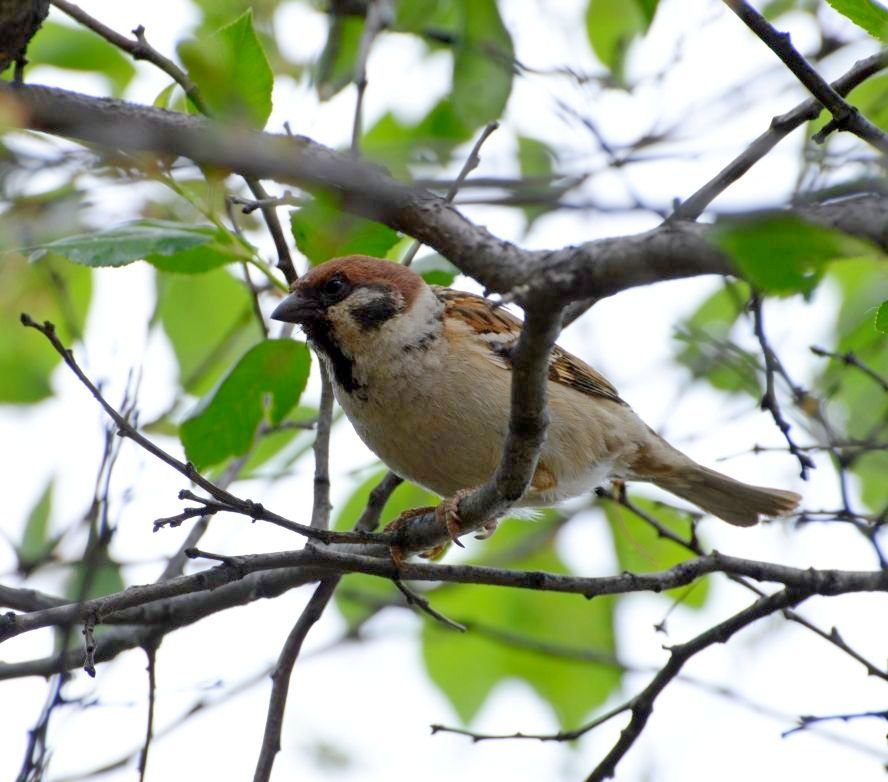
(318, 334)
(373, 314)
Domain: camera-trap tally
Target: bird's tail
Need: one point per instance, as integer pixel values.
(733, 501)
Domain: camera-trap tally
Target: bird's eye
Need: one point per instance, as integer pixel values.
(334, 289)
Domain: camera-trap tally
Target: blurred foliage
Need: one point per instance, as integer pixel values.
(238, 393)
(77, 49)
(510, 630)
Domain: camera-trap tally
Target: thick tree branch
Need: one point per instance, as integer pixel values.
(593, 270)
(316, 562)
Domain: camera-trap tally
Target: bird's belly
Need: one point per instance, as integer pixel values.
(443, 439)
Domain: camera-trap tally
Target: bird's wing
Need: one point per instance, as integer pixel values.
(499, 330)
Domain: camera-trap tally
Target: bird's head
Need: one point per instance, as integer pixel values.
(352, 295)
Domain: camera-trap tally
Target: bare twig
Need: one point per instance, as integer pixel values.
(378, 16)
(320, 510)
(769, 399)
(271, 741)
(845, 116)
(472, 162)
(850, 360)
(151, 654)
(222, 500)
(415, 600)
(806, 721)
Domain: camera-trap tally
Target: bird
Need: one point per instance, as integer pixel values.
(423, 374)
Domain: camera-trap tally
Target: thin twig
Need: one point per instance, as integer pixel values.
(806, 721)
(415, 600)
(845, 116)
(378, 16)
(271, 740)
(472, 162)
(850, 360)
(693, 206)
(769, 399)
(151, 654)
(222, 500)
(320, 510)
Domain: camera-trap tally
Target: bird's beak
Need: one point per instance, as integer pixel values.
(297, 308)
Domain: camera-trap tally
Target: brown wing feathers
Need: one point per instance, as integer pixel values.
(502, 329)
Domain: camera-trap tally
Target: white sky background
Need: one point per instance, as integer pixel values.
(372, 701)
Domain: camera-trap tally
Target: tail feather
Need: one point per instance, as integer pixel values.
(733, 501)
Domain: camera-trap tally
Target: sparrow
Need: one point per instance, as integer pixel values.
(423, 373)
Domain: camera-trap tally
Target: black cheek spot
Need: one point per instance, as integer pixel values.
(373, 314)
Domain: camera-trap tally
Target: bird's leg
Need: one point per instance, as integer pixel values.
(395, 550)
(447, 515)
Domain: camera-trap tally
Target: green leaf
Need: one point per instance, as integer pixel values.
(882, 318)
(535, 158)
(468, 666)
(167, 245)
(406, 496)
(783, 254)
(435, 269)
(482, 65)
(78, 49)
(232, 72)
(611, 25)
(322, 231)
(868, 14)
(336, 65)
(209, 321)
(640, 549)
(263, 386)
(648, 9)
(35, 539)
(49, 289)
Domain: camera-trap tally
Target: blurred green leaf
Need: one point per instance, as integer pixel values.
(854, 399)
(482, 64)
(322, 231)
(435, 269)
(336, 65)
(263, 386)
(783, 254)
(640, 549)
(406, 496)
(871, 98)
(105, 579)
(49, 289)
(882, 318)
(167, 245)
(705, 346)
(535, 158)
(35, 539)
(611, 25)
(222, 307)
(232, 72)
(79, 49)
(467, 666)
(868, 14)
